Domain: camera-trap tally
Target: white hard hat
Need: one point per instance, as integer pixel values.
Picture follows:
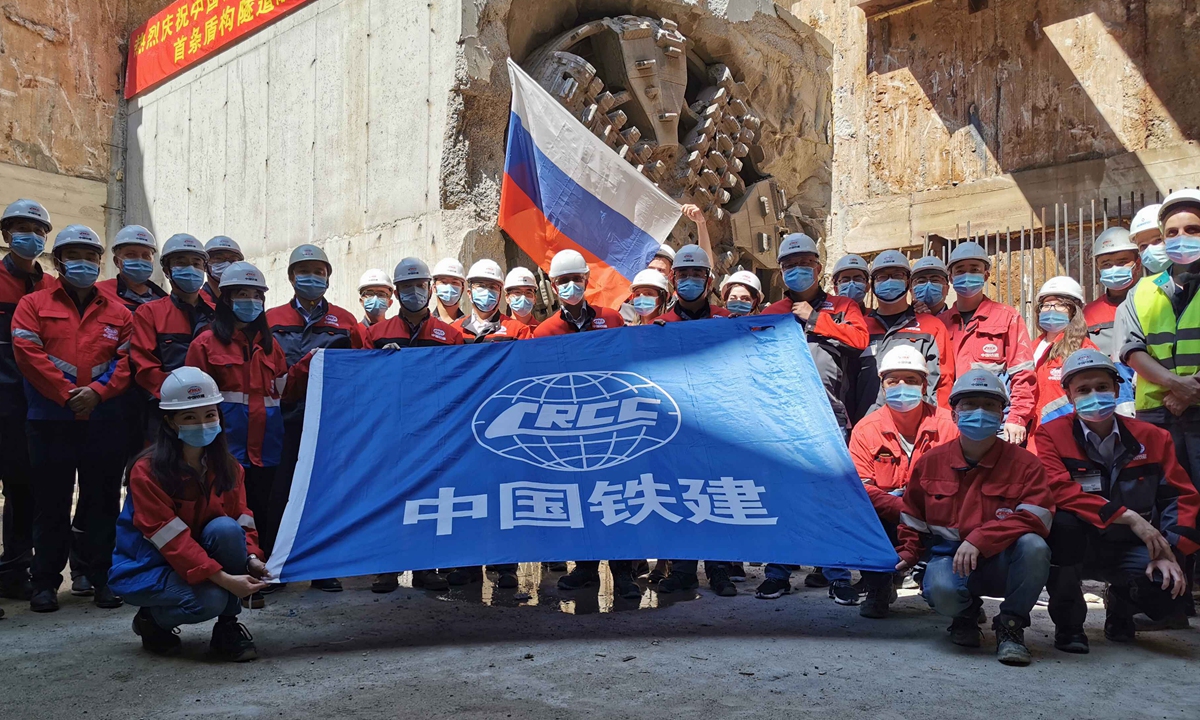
(223, 242)
(449, 267)
(1145, 219)
(568, 262)
(374, 278)
(308, 252)
(850, 262)
(519, 277)
(903, 357)
(743, 277)
(1062, 286)
(188, 387)
(1187, 196)
(243, 274)
(691, 256)
(182, 242)
(930, 262)
(666, 251)
(486, 270)
(135, 235)
(1113, 240)
(411, 269)
(652, 279)
(27, 210)
(77, 235)
(795, 243)
(890, 259)
(969, 251)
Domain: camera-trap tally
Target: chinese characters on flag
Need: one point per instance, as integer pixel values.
(187, 31)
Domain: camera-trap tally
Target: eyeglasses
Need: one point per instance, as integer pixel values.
(1056, 305)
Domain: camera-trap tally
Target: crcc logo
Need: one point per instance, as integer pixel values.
(577, 421)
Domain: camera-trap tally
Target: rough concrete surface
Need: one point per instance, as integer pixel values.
(415, 654)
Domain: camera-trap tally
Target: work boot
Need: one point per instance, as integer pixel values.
(877, 604)
(1010, 641)
(327, 585)
(661, 568)
(676, 582)
(106, 598)
(429, 580)
(82, 587)
(385, 583)
(964, 631)
(557, 566)
(464, 575)
(1071, 640)
(232, 641)
(772, 588)
(641, 568)
(1174, 621)
(44, 601)
(579, 578)
(507, 580)
(254, 601)
(625, 588)
(816, 579)
(737, 572)
(843, 592)
(720, 583)
(156, 638)
(1118, 617)
(17, 587)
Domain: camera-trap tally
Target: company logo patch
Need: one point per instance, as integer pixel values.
(439, 333)
(195, 391)
(1002, 513)
(110, 333)
(600, 322)
(827, 305)
(575, 422)
(990, 350)
(331, 320)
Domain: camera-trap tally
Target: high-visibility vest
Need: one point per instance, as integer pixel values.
(1174, 344)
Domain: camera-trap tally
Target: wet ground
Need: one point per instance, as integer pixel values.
(537, 652)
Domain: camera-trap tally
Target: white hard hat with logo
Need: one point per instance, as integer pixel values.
(651, 279)
(224, 242)
(243, 274)
(969, 251)
(796, 243)
(449, 267)
(691, 256)
(188, 387)
(903, 357)
(27, 210)
(1145, 219)
(374, 278)
(1187, 196)
(182, 242)
(77, 236)
(930, 262)
(850, 262)
(1061, 286)
(308, 252)
(135, 235)
(1113, 240)
(666, 251)
(568, 262)
(519, 277)
(743, 277)
(486, 270)
(411, 269)
(890, 260)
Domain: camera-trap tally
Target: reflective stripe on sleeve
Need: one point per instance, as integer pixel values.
(168, 532)
(1021, 367)
(247, 522)
(948, 533)
(914, 523)
(1042, 513)
(65, 366)
(28, 335)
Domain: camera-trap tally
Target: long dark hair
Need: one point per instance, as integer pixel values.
(223, 325)
(175, 475)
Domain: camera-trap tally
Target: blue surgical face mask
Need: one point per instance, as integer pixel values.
(1053, 321)
(520, 305)
(799, 278)
(375, 305)
(448, 294)
(187, 279)
(571, 293)
(201, 435)
(1183, 249)
(1096, 406)
(690, 289)
(137, 271)
(645, 305)
(739, 307)
(1155, 258)
(27, 245)
(1117, 277)
(979, 424)
(311, 287)
(218, 269)
(902, 397)
(852, 289)
(891, 289)
(414, 299)
(484, 299)
(928, 292)
(247, 309)
(969, 285)
(81, 273)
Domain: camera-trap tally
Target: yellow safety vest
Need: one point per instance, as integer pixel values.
(1174, 344)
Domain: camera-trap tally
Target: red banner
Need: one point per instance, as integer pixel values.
(187, 31)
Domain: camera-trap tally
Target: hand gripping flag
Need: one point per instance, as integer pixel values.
(708, 439)
(565, 188)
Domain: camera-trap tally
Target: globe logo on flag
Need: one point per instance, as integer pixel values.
(577, 422)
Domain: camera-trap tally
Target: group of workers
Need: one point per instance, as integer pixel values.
(997, 466)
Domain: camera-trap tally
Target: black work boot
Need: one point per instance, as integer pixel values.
(232, 641)
(82, 587)
(1071, 639)
(877, 604)
(579, 578)
(44, 601)
(1118, 614)
(964, 631)
(625, 588)
(1010, 641)
(385, 583)
(327, 585)
(720, 583)
(677, 581)
(507, 580)
(156, 638)
(16, 586)
(105, 598)
(816, 579)
(429, 580)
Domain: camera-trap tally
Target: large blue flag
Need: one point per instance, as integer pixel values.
(699, 440)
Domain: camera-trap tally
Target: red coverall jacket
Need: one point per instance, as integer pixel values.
(58, 351)
(116, 289)
(881, 462)
(995, 339)
(1149, 480)
(598, 318)
(510, 329)
(395, 331)
(15, 285)
(990, 506)
(162, 332)
(923, 333)
(678, 314)
(1052, 400)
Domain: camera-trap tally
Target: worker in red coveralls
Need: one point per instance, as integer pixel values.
(1126, 510)
(979, 509)
(1059, 308)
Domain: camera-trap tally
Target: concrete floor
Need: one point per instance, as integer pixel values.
(481, 653)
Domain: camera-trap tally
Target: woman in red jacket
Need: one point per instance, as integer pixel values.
(186, 545)
(1064, 330)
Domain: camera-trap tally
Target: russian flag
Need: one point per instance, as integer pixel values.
(565, 188)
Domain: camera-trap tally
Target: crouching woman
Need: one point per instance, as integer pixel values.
(186, 549)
